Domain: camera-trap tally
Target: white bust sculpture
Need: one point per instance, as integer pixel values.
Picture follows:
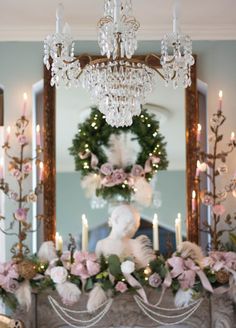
(125, 221)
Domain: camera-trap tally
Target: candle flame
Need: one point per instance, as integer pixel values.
(25, 96)
(155, 219)
(8, 129)
(194, 194)
(38, 128)
(221, 94)
(84, 220)
(179, 216)
(41, 165)
(232, 135)
(199, 127)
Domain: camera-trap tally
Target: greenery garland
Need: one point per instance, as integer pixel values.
(94, 134)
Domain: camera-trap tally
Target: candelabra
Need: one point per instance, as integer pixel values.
(20, 167)
(213, 165)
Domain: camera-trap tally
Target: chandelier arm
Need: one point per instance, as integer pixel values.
(158, 72)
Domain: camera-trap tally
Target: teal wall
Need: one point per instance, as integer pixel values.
(71, 202)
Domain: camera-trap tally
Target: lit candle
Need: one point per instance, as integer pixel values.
(1, 168)
(180, 227)
(194, 201)
(199, 129)
(198, 169)
(8, 135)
(59, 18)
(24, 108)
(155, 231)
(59, 242)
(220, 99)
(177, 232)
(41, 171)
(38, 139)
(232, 137)
(84, 233)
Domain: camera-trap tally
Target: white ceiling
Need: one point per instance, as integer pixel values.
(34, 19)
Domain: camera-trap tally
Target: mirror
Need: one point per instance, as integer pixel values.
(177, 113)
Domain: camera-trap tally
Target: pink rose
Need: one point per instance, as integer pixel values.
(119, 176)
(16, 174)
(106, 169)
(137, 171)
(58, 275)
(108, 181)
(207, 199)
(155, 280)
(78, 269)
(22, 139)
(121, 287)
(21, 214)
(218, 209)
(93, 268)
(27, 168)
(8, 276)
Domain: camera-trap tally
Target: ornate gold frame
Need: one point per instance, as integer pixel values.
(191, 104)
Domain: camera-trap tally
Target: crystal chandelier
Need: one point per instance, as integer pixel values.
(117, 82)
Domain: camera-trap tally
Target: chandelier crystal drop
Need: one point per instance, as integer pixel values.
(118, 82)
(119, 88)
(176, 55)
(118, 19)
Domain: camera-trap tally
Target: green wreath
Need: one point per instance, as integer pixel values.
(94, 134)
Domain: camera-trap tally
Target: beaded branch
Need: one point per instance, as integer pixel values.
(213, 165)
(20, 167)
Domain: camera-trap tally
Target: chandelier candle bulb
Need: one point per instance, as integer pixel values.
(193, 201)
(180, 228)
(59, 242)
(197, 169)
(177, 229)
(220, 99)
(38, 138)
(25, 102)
(155, 229)
(59, 18)
(84, 233)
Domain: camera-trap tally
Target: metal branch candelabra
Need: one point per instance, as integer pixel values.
(20, 167)
(213, 165)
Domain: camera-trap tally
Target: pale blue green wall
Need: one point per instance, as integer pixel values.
(71, 202)
(21, 66)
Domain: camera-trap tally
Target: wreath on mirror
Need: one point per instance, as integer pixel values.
(119, 162)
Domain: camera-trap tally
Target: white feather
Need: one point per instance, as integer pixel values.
(183, 297)
(142, 251)
(23, 295)
(188, 249)
(123, 149)
(96, 298)
(143, 193)
(47, 252)
(68, 292)
(90, 183)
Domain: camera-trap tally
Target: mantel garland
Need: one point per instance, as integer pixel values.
(189, 274)
(88, 151)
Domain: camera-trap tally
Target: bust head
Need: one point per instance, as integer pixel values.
(125, 221)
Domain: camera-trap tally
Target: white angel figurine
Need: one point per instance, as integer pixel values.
(125, 221)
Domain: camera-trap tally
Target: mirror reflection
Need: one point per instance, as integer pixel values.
(73, 107)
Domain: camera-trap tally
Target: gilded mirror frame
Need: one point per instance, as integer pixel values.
(49, 142)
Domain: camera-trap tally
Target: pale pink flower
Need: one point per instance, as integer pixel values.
(21, 214)
(17, 174)
(66, 259)
(85, 264)
(58, 274)
(121, 287)
(155, 280)
(108, 181)
(22, 139)
(27, 168)
(106, 169)
(137, 171)
(218, 209)
(119, 176)
(92, 267)
(8, 276)
(78, 269)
